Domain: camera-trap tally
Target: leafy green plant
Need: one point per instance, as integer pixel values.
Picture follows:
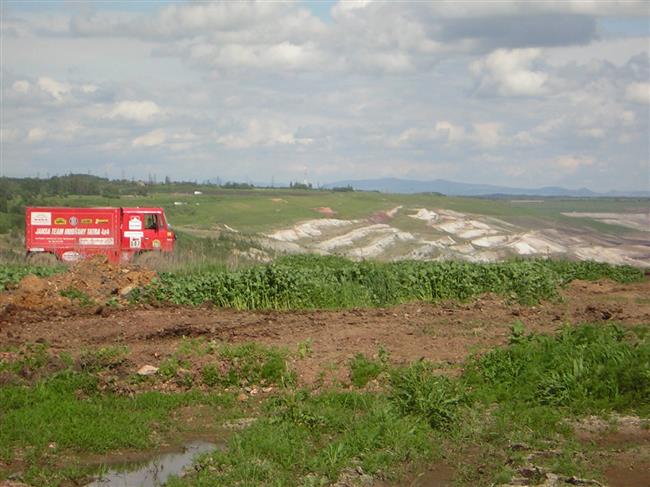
(102, 358)
(13, 273)
(308, 282)
(418, 390)
(251, 363)
(363, 369)
(586, 368)
(304, 349)
(76, 295)
(169, 368)
(211, 375)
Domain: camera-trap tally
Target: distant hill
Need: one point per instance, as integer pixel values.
(451, 188)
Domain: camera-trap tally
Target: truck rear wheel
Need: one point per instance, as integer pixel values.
(42, 258)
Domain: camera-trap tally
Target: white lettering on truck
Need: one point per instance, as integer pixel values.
(96, 241)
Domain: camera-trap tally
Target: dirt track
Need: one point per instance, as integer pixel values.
(444, 333)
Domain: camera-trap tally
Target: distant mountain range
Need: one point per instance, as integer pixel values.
(452, 188)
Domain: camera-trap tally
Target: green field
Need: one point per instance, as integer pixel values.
(263, 210)
(253, 211)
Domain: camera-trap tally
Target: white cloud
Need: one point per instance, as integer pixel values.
(410, 136)
(593, 132)
(36, 134)
(53, 87)
(571, 163)
(487, 134)
(150, 139)
(452, 133)
(140, 111)
(627, 117)
(262, 133)
(344, 8)
(88, 88)
(509, 73)
(21, 86)
(184, 136)
(288, 91)
(282, 55)
(443, 131)
(638, 93)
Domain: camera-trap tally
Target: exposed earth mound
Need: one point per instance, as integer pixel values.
(90, 281)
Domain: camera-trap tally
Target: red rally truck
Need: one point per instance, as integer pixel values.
(72, 234)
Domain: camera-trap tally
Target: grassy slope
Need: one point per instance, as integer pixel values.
(255, 211)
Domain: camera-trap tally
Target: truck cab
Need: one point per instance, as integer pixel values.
(145, 230)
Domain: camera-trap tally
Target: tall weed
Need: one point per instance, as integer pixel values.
(316, 282)
(586, 368)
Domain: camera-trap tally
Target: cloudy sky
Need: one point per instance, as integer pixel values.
(520, 93)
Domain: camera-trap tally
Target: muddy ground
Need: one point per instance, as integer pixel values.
(445, 333)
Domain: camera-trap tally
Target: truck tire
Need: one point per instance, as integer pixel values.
(42, 259)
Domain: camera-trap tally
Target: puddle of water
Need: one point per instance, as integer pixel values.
(156, 471)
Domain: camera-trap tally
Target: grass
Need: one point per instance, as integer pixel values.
(314, 282)
(310, 439)
(53, 412)
(522, 394)
(250, 364)
(225, 365)
(55, 409)
(418, 390)
(585, 369)
(363, 369)
(263, 210)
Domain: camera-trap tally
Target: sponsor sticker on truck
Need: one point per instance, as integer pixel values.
(96, 241)
(135, 223)
(71, 256)
(41, 218)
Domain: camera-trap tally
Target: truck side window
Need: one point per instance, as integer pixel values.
(151, 221)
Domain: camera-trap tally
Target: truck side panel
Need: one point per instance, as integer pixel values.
(73, 233)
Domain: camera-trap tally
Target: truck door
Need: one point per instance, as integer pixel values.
(153, 228)
(133, 231)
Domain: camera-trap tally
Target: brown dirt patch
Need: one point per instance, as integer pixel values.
(438, 474)
(325, 210)
(629, 468)
(619, 431)
(445, 333)
(94, 278)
